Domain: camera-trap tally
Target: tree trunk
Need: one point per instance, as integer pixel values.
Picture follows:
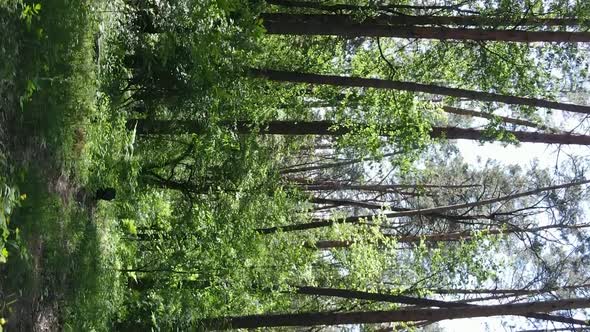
(567, 329)
(344, 81)
(461, 111)
(345, 26)
(318, 223)
(452, 110)
(445, 237)
(401, 315)
(496, 291)
(340, 7)
(329, 165)
(403, 299)
(173, 127)
(505, 119)
(330, 186)
(421, 20)
(369, 205)
(379, 297)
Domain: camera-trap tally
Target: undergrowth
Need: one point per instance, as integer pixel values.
(60, 142)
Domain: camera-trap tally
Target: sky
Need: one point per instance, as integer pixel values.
(475, 153)
(524, 154)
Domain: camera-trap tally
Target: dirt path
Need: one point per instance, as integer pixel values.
(27, 307)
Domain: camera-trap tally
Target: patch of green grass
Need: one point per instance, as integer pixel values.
(59, 67)
(62, 138)
(95, 299)
(73, 259)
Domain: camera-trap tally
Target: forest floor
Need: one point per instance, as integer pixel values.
(60, 247)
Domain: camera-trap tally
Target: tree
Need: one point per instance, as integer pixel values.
(505, 119)
(285, 76)
(345, 26)
(355, 219)
(401, 315)
(171, 127)
(393, 20)
(417, 302)
(223, 160)
(339, 7)
(449, 237)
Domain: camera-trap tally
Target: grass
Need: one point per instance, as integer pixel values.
(58, 139)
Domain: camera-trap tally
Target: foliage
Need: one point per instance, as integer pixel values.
(185, 237)
(51, 74)
(9, 200)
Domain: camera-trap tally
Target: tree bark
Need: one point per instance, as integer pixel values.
(318, 223)
(344, 81)
(496, 291)
(345, 26)
(401, 315)
(421, 20)
(445, 237)
(505, 119)
(568, 329)
(340, 7)
(379, 187)
(369, 205)
(380, 297)
(466, 112)
(173, 127)
(328, 165)
(403, 299)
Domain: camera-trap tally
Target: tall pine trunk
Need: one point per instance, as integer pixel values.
(344, 81)
(445, 237)
(498, 291)
(345, 26)
(490, 116)
(389, 8)
(291, 170)
(413, 20)
(173, 127)
(421, 302)
(319, 223)
(331, 186)
(401, 315)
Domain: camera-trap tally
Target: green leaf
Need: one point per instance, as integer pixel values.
(153, 317)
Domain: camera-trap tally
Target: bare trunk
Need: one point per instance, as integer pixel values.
(401, 315)
(370, 205)
(318, 223)
(340, 7)
(496, 291)
(334, 80)
(345, 26)
(447, 237)
(329, 165)
(172, 127)
(379, 187)
(568, 329)
(395, 21)
(421, 302)
(380, 297)
(505, 119)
